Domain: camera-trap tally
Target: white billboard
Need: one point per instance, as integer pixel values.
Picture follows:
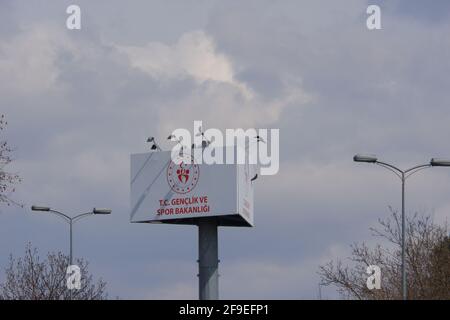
(165, 192)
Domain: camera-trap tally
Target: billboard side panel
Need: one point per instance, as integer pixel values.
(245, 173)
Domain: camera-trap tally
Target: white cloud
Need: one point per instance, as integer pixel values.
(219, 99)
(27, 61)
(221, 106)
(193, 55)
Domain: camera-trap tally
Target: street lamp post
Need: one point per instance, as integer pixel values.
(403, 175)
(71, 221)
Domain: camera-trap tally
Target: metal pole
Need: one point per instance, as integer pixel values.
(403, 175)
(403, 240)
(71, 250)
(208, 261)
(70, 254)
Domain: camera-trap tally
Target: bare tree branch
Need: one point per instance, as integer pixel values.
(29, 278)
(427, 249)
(7, 179)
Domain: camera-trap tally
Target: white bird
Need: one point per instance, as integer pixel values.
(260, 139)
(172, 137)
(154, 145)
(205, 141)
(200, 132)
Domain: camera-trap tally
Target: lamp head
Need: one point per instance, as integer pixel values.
(101, 211)
(40, 208)
(365, 158)
(440, 162)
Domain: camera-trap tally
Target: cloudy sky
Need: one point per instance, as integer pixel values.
(79, 103)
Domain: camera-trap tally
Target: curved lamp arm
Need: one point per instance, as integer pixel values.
(398, 172)
(82, 215)
(415, 169)
(71, 219)
(60, 214)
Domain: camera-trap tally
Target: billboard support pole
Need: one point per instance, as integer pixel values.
(208, 260)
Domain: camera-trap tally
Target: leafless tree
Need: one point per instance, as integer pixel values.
(7, 180)
(30, 278)
(427, 255)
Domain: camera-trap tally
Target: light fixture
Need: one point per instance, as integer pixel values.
(39, 208)
(365, 158)
(101, 211)
(440, 162)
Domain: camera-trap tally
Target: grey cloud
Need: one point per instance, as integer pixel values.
(430, 12)
(378, 92)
